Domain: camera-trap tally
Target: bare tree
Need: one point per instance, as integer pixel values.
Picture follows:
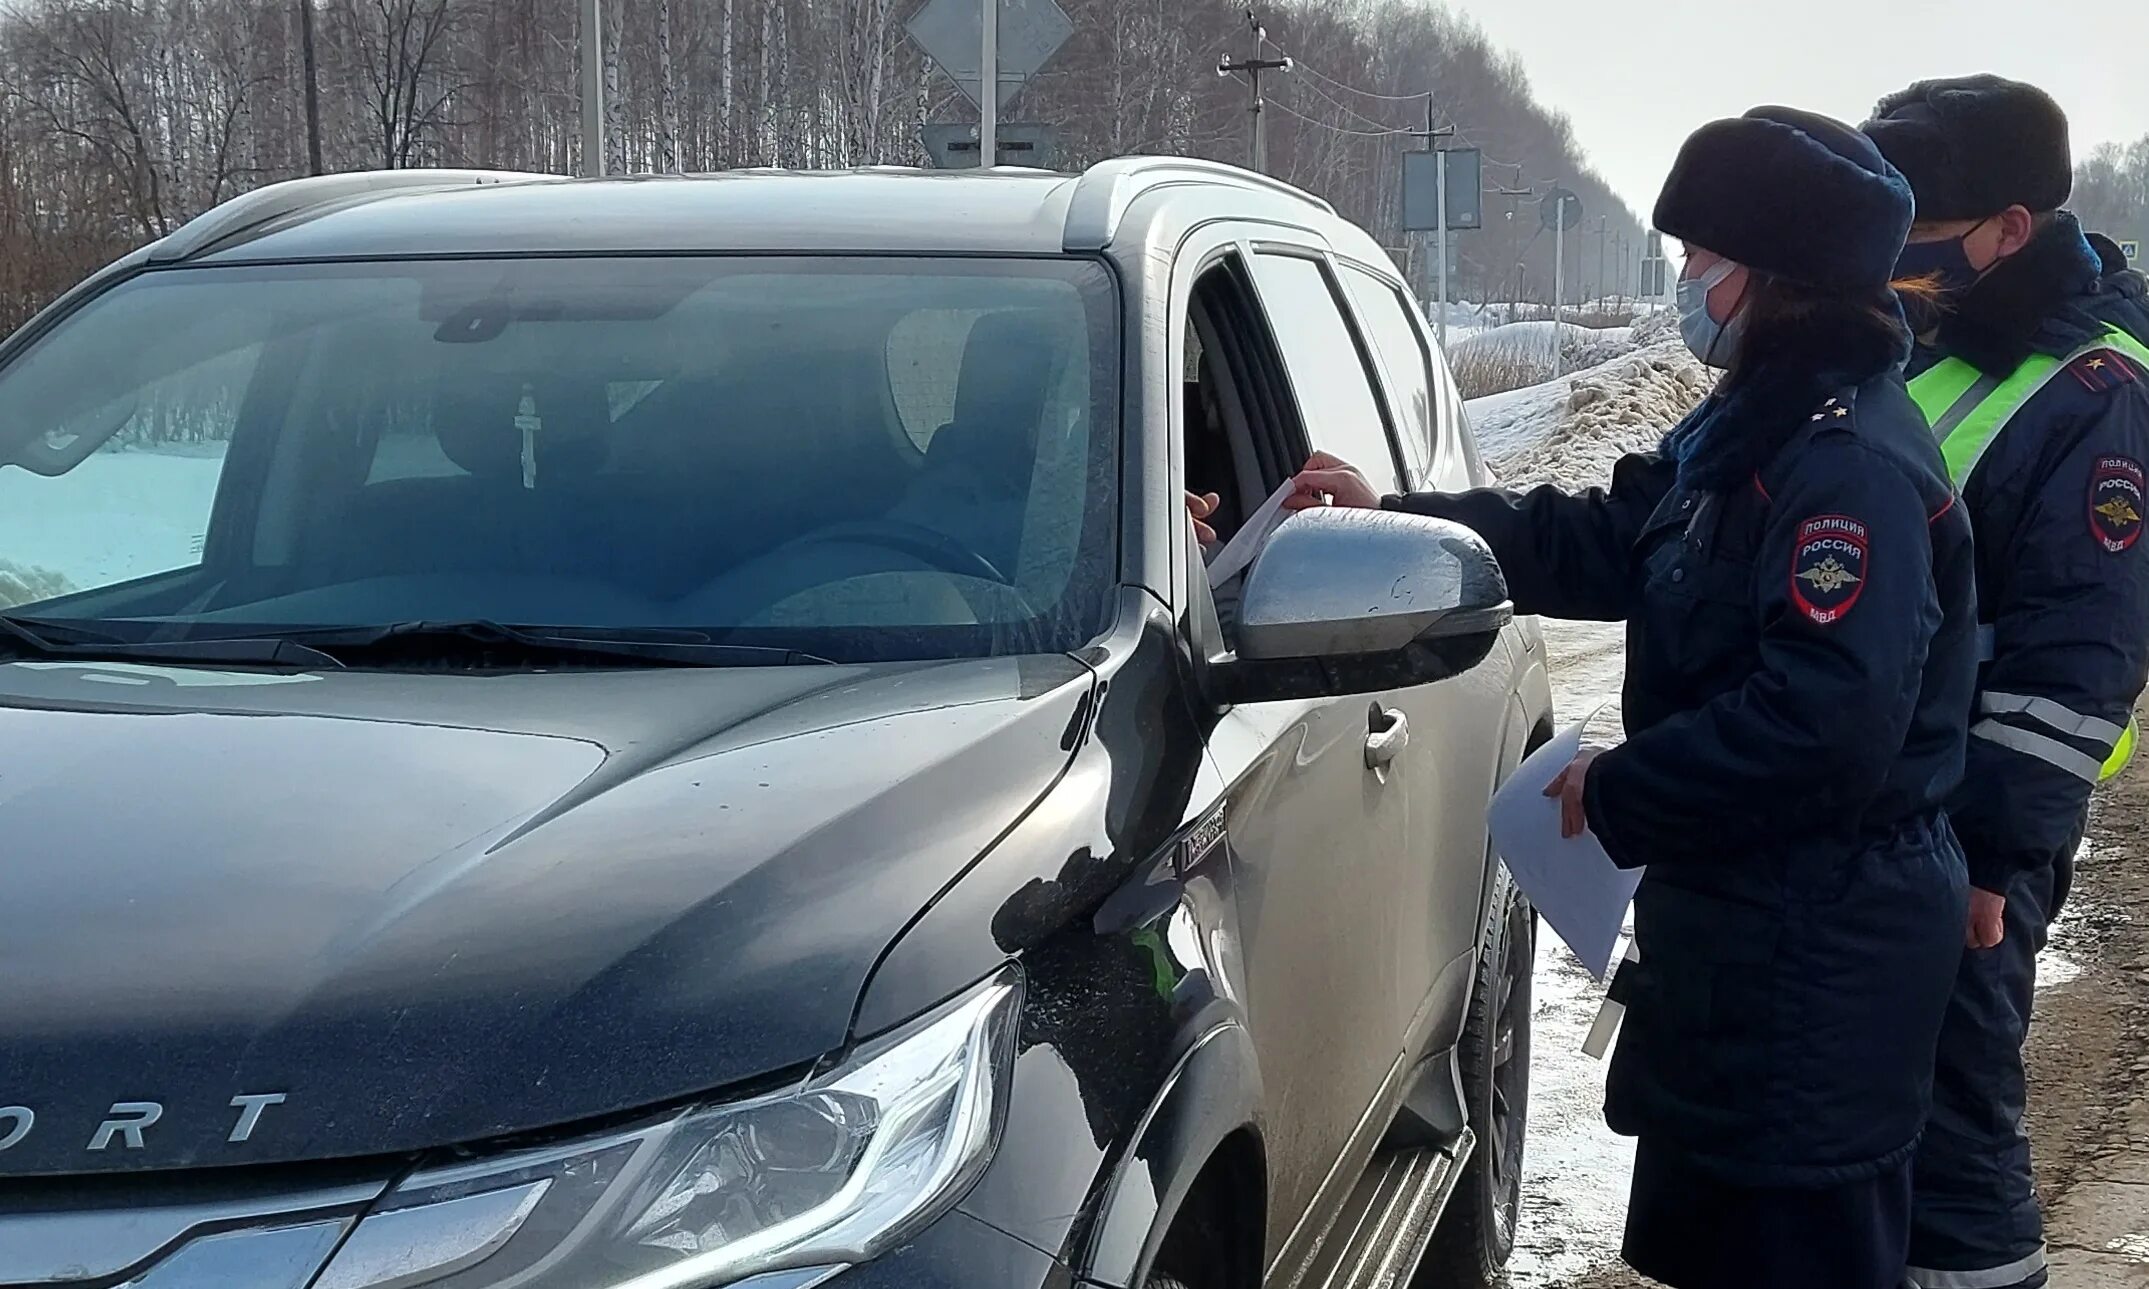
(399, 48)
(125, 117)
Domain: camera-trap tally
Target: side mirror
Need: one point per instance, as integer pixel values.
(1359, 601)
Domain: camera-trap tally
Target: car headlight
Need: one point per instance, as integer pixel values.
(831, 1173)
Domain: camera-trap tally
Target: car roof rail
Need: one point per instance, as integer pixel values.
(296, 196)
(1105, 191)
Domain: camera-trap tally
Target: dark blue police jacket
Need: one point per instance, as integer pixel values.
(2064, 587)
(1797, 582)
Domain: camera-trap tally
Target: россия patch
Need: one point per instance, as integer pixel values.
(1828, 567)
(2116, 489)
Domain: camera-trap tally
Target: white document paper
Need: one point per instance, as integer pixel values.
(1237, 553)
(1582, 895)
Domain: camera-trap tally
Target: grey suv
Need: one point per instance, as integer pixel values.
(672, 733)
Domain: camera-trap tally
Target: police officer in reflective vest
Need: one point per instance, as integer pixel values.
(1797, 579)
(2035, 377)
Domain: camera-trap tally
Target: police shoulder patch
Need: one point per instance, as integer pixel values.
(1828, 567)
(2116, 502)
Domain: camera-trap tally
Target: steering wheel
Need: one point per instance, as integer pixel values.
(915, 540)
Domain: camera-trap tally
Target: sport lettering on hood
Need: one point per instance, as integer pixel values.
(1828, 567)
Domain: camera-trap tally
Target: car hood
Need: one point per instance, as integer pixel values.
(276, 917)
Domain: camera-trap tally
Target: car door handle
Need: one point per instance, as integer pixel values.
(1389, 736)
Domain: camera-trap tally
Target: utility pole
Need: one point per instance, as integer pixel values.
(1559, 273)
(313, 87)
(1432, 135)
(1252, 69)
(988, 89)
(593, 88)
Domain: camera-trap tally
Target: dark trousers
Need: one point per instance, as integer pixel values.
(1975, 1223)
(1692, 1230)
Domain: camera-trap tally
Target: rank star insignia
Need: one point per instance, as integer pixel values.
(1829, 564)
(2116, 502)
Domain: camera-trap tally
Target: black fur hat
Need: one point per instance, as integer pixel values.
(1975, 145)
(1792, 193)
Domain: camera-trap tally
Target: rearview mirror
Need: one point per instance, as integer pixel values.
(1344, 601)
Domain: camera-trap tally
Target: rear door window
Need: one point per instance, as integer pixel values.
(1407, 364)
(1328, 374)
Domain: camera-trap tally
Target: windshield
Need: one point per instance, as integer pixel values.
(858, 458)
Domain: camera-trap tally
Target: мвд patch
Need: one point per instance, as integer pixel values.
(2116, 502)
(1828, 567)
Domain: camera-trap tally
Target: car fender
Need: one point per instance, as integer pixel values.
(1213, 1093)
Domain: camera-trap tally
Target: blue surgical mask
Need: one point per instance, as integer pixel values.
(1713, 342)
(1947, 261)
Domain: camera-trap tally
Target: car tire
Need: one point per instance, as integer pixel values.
(1477, 1233)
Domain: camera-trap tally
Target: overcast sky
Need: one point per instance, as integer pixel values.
(1636, 76)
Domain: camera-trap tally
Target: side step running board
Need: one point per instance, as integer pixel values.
(1384, 1229)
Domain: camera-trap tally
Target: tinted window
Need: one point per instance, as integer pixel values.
(726, 446)
(1328, 376)
(1404, 357)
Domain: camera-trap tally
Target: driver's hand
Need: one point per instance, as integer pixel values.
(1330, 480)
(1199, 506)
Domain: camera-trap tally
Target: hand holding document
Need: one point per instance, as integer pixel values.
(1574, 885)
(1226, 562)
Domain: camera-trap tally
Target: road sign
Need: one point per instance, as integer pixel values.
(952, 34)
(954, 145)
(1560, 209)
(2132, 251)
(1421, 180)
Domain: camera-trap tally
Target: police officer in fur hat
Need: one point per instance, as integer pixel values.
(2035, 377)
(1796, 579)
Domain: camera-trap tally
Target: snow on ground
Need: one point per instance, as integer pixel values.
(1570, 431)
(120, 514)
(1531, 343)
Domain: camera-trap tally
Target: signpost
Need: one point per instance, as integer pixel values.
(1442, 193)
(1559, 211)
(1016, 37)
(955, 146)
(1652, 284)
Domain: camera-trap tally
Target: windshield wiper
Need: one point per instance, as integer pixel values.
(81, 644)
(481, 640)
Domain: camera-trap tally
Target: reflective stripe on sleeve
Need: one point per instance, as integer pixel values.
(2044, 748)
(2014, 1273)
(2055, 715)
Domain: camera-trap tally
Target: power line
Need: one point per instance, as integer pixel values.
(1352, 89)
(1349, 111)
(1383, 133)
(1461, 134)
